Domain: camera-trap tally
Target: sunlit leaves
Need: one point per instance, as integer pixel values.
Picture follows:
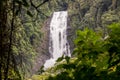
(96, 58)
(88, 41)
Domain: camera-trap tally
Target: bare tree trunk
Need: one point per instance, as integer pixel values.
(10, 39)
(1, 40)
(3, 20)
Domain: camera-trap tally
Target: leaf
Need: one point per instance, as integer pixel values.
(29, 13)
(69, 66)
(59, 66)
(67, 58)
(75, 51)
(60, 59)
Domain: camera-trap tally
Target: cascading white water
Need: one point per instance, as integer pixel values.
(58, 44)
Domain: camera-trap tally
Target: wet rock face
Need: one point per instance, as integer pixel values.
(43, 49)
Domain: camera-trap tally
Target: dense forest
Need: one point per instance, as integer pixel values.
(93, 34)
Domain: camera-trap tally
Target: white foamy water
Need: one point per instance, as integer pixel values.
(58, 44)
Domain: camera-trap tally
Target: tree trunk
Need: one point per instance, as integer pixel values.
(10, 41)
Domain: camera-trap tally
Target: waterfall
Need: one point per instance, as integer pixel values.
(58, 44)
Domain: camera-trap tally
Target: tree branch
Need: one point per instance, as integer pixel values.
(43, 3)
(36, 7)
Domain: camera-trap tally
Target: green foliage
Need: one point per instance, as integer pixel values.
(88, 42)
(95, 58)
(114, 44)
(19, 37)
